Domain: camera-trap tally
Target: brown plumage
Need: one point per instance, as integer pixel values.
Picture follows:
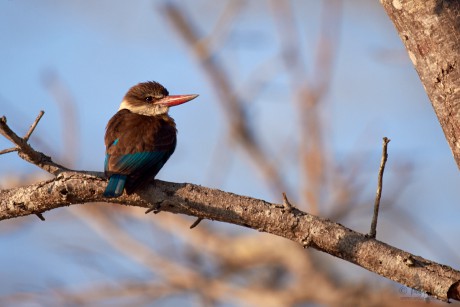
(138, 134)
(140, 137)
(141, 132)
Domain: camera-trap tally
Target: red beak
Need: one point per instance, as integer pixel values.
(175, 100)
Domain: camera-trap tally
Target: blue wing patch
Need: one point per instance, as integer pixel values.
(129, 171)
(132, 163)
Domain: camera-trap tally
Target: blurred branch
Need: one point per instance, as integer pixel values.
(220, 30)
(67, 107)
(308, 93)
(232, 104)
(240, 256)
(302, 280)
(179, 276)
(94, 294)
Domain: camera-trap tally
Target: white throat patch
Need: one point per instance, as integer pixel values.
(146, 109)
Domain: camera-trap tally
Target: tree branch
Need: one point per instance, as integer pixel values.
(26, 152)
(71, 187)
(185, 198)
(29, 154)
(430, 30)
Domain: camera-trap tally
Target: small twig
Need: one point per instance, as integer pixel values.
(149, 210)
(32, 127)
(26, 152)
(156, 209)
(40, 216)
(198, 220)
(5, 151)
(383, 161)
(287, 205)
(9, 134)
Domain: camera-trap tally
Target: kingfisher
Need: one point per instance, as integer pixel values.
(140, 137)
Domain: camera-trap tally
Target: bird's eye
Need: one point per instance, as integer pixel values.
(148, 98)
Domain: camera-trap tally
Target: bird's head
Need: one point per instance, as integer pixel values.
(151, 98)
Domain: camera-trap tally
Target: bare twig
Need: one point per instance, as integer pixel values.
(198, 220)
(383, 161)
(5, 151)
(26, 152)
(286, 204)
(32, 127)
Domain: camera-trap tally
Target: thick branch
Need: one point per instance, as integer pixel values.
(430, 30)
(308, 230)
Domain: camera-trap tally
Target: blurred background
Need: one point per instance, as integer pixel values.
(295, 97)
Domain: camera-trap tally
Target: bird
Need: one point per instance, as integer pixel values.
(140, 137)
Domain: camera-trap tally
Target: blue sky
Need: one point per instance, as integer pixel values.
(99, 49)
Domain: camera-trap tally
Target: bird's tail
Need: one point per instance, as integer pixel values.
(115, 186)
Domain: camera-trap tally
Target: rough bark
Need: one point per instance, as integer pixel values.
(73, 188)
(430, 30)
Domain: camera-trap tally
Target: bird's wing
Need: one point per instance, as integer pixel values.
(132, 163)
(138, 146)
